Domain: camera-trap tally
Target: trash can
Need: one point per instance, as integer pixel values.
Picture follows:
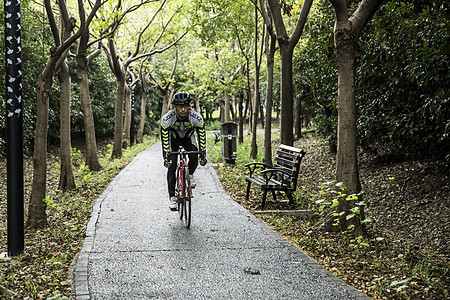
(229, 141)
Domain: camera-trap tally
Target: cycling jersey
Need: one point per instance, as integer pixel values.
(175, 128)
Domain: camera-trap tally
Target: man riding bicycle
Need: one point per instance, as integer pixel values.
(177, 129)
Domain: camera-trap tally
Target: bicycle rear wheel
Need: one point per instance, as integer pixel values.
(187, 200)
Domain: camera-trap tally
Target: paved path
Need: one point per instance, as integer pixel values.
(136, 248)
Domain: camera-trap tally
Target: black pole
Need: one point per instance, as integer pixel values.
(14, 121)
(130, 80)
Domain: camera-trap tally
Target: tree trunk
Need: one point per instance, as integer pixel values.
(140, 132)
(222, 109)
(298, 118)
(270, 53)
(118, 116)
(346, 33)
(197, 104)
(328, 112)
(241, 118)
(166, 101)
(36, 208)
(89, 124)
(346, 160)
(66, 180)
(226, 108)
(287, 103)
(127, 119)
(287, 45)
(256, 103)
(233, 110)
(254, 123)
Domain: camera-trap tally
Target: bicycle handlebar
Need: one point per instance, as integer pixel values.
(185, 152)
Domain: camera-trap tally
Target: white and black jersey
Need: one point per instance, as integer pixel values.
(173, 127)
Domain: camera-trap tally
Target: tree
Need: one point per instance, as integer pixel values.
(270, 49)
(316, 72)
(129, 91)
(83, 60)
(143, 80)
(223, 28)
(346, 33)
(120, 66)
(287, 45)
(66, 179)
(257, 100)
(166, 88)
(36, 210)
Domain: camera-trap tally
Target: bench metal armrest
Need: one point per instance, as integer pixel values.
(253, 166)
(270, 173)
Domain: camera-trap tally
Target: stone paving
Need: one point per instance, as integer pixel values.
(136, 248)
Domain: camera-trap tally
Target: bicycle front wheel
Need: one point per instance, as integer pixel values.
(180, 184)
(187, 199)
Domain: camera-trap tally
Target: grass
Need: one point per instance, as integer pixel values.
(45, 267)
(382, 264)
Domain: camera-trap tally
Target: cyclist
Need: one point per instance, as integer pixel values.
(177, 129)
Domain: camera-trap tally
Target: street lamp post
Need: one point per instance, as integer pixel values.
(132, 118)
(14, 123)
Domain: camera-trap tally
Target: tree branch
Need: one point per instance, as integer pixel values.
(365, 11)
(160, 50)
(340, 7)
(146, 27)
(275, 9)
(300, 22)
(267, 16)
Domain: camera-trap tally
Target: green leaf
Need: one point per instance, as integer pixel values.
(335, 203)
(352, 197)
(341, 185)
(367, 220)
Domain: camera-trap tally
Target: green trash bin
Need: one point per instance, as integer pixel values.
(229, 141)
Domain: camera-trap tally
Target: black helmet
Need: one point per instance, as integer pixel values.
(181, 98)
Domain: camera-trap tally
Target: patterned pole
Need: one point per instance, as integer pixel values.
(132, 119)
(14, 120)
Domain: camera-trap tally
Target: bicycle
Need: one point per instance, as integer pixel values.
(183, 189)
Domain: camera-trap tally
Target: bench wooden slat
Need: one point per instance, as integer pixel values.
(285, 163)
(290, 148)
(290, 171)
(287, 155)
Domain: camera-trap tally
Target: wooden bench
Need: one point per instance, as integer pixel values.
(281, 177)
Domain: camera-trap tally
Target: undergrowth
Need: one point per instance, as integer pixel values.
(44, 269)
(382, 263)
